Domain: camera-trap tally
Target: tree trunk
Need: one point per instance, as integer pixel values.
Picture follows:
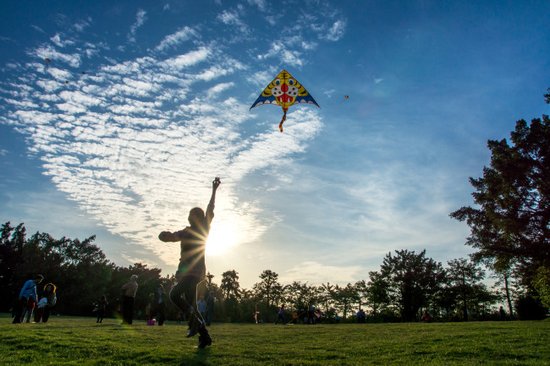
(507, 289)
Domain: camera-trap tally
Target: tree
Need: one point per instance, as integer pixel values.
(232, 292)
(345, 297)
(377, 295)
(542, 285)
(11, 249)
(268, 289)
(230, 284)
(511, 223)
(412, 280)
(464, 282)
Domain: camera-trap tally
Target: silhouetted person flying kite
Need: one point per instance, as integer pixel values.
(192, 268)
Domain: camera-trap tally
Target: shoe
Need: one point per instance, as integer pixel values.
(192, 332)
(204, 340)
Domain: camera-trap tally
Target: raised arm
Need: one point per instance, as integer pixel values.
(210, 209)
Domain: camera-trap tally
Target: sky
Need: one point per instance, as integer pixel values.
(116, 116)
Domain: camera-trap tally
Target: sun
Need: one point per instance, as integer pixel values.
(222, 237)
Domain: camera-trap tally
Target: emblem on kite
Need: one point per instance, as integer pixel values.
(285, 91)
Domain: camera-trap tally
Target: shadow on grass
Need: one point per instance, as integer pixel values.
(200, 357)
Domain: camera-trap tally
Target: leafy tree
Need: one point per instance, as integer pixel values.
(268, 289)
(268, 292)
(11, 249)
(464, 282)
(542, 285)
(412, 281)
(231, 291)
(325, 295)
(511, 223)
(344, 298)
(230, 284)
(377, 295)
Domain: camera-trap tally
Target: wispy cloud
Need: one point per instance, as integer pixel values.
(336, 31)
(135, 152)
(141, 17)
(174, 39)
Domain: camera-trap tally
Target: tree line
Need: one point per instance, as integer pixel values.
(406, 285)
(509, 229)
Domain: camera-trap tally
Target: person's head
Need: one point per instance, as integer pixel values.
(38, 278)
(133, 277)
(196, 217)
(50, 288)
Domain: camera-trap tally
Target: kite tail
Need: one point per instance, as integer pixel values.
(282, 121)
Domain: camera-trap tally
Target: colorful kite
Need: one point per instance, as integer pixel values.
(284, 90)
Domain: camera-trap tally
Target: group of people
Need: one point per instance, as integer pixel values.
(311, 315)
(29, 302)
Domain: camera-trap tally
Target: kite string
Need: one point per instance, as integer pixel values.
(282, 121)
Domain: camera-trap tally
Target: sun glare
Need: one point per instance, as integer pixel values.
(222, 237)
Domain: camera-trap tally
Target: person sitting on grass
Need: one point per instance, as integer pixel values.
(46, 303)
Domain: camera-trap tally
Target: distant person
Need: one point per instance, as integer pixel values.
(160, 304)
(256, 314)
(210, 302)
(192, 268)
(502, 313)
(46, 303)
(101, 308)
(27, 296)
(426, 317)
(281, 315)
(311, 314)
(201, 307)
(361, 316)
(150, 310)
(129, 290)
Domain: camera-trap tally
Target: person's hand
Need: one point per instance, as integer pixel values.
(216, 183)
(165, 235)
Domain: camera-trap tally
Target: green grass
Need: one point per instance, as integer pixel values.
(76, 341)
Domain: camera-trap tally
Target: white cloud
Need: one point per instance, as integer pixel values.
(141, 17)
(48, 52)
(135, 153)
(287, 56)
(56, 39)
(232, 18)
(219, 88)
(188, 59)
(336, 31)
(261, 4)
(176, 38)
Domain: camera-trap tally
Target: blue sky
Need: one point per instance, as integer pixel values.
(142, 103)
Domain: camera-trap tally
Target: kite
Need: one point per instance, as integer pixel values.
(285, 91)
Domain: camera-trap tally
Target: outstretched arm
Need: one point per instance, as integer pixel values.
(167, 236)
(210, 209)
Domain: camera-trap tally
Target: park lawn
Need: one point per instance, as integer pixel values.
(80, 341)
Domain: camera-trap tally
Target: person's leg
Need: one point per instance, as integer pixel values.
(46, 314)
(130, 310)
(161, 314)
(19, 309)
(38, 315)
(125, 308)
(183, 296)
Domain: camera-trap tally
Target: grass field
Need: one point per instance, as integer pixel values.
(80, 341)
